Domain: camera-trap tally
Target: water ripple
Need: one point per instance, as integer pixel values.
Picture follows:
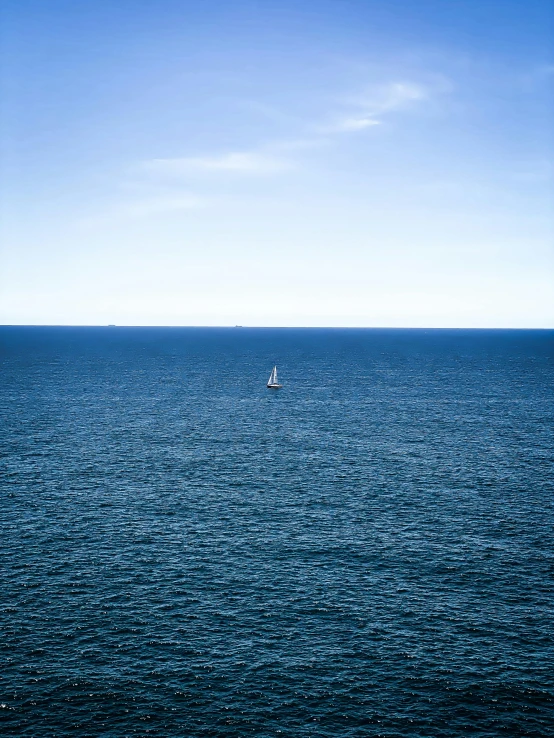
(366, 553)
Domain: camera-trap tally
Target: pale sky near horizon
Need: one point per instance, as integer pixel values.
(329, 163)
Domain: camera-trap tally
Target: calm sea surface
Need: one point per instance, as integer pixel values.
(367, 552)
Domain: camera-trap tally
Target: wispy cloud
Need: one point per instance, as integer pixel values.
(352, 124)
(369, 108)
(354, 114)
(395, 96)
(171, 185)
(245, 162)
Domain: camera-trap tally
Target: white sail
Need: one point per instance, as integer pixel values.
(273, 377)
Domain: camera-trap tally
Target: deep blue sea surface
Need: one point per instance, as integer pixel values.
(367, 552)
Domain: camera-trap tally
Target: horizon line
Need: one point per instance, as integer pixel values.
(282, 327)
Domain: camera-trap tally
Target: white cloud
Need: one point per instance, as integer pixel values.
(345, 125)
(368, 109)
(396, 96)
(245, 162)
(299, 144)
(389, 98)
(363, 112)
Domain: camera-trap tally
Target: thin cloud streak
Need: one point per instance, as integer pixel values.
(346, 125)
(240, 162)
(364, 112)
(396, 96)
(369, 108)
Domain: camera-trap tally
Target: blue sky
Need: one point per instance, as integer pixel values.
(376, 163)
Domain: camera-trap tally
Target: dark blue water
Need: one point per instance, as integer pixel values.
(367, 552)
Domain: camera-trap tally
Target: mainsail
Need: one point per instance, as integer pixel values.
(273, 382)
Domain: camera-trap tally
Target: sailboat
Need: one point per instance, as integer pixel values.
(273, 382)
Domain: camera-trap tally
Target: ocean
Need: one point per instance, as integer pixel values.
(365, 552)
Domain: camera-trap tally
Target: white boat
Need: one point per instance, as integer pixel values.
(273, 382)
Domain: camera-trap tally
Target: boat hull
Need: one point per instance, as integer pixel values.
(274, 386)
